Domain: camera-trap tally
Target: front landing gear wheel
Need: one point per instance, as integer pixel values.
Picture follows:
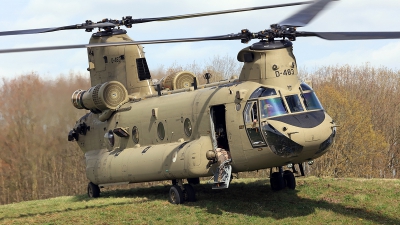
(277, 182)
(93, 190)
(189, 192)
(290, 180)
(176, 195)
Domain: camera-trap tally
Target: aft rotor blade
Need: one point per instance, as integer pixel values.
(211, 38)
(304, 16)
(145, 20)
(45, 30)
(350, 35)
(114, 23)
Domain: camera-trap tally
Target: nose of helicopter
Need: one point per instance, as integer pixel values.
(305, 135)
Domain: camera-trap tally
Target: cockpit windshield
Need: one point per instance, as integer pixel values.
(311, 101)
(294, 103)
(272, 107)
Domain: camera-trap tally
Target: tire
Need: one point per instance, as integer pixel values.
(93, 190)
(176, 195)
(190, 193)
(290, 180)
(277, 182)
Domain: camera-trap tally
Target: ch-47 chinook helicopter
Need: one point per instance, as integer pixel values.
(138, 131)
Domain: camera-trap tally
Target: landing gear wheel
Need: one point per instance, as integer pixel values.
(93, 190)
(189, 192)
(290, 180)
(176, 195)
(277, 182)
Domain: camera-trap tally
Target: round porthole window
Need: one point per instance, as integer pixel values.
(110, 138)
(135, 134)
(161, 131)
(187, 127)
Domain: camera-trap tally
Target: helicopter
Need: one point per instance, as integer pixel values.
(138, 131)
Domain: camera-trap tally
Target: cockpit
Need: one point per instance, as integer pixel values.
(266, 104)
(272, 104)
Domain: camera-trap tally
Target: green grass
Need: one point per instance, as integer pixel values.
(247, 201)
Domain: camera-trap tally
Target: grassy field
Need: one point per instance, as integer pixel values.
(247, 201)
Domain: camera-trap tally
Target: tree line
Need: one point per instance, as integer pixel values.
(36, 114)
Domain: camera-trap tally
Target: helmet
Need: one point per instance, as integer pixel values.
(210, 154)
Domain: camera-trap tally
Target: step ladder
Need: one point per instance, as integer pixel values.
(226, 175)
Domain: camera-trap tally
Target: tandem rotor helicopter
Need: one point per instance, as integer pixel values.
(179, 130)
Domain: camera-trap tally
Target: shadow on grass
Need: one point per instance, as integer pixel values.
(251, 199)
(52, 211)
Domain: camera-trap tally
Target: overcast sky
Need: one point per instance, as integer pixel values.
(311, 52)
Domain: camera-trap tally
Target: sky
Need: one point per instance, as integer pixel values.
(310, 52)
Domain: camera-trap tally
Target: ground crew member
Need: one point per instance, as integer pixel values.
(222, 156)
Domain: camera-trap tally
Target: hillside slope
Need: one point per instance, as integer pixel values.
(316, 201)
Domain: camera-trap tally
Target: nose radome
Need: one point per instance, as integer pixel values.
(308, 130)
(303, 120)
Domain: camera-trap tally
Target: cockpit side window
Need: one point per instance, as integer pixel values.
(257, 93)
(305, 87)
(250, 112)
(252, 122)
(268, 92)
(294, 103)
(262, 92)
(272, 107)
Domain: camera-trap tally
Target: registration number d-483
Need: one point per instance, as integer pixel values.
(287, 72)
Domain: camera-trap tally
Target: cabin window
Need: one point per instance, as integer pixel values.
(187, 126)
(311, 101)
(109, 136)
(161, 131)
(252, 124)
(135, 134)
(294, 103)
(272, 107)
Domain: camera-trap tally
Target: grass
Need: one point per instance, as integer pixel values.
(247, 201)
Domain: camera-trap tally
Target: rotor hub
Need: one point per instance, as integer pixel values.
(269, 45)
(110, 32)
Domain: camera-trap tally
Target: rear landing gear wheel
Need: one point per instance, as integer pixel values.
(189, 192)
(93, 190)
(290, 180)
(277, 182)
(176, 195)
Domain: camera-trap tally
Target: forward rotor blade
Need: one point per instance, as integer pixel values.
(304, 16)
(114, 23)
(211, 38)
(45, 30)
(350, 35)
(166, 18)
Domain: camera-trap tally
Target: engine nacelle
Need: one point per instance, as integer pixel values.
(106, 96)
(183, 79)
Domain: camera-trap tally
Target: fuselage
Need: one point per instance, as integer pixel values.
(266, 118)
(169, 135)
